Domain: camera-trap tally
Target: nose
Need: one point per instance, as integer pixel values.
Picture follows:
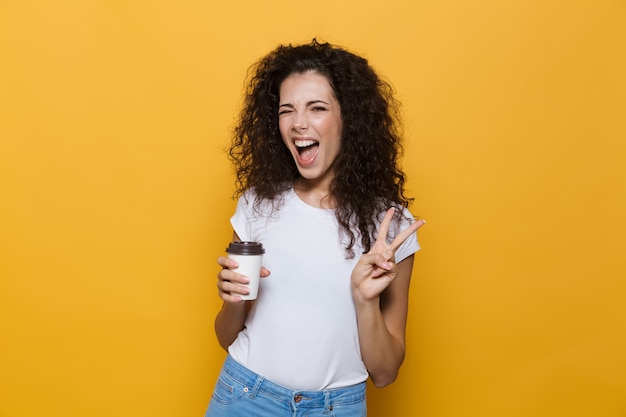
(300, 122)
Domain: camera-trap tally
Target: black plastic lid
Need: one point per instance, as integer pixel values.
(245, 248)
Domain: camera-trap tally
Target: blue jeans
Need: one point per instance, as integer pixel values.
(241, 392)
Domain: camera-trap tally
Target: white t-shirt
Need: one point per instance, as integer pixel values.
(301, 332)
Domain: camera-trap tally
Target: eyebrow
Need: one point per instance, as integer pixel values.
(308, 103)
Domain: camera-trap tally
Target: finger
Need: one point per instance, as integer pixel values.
(233, 289)
(226, 275)
(390, 272)
(384, 227)
(265, 272)
(230, 298)
(226, 262)
(403, 235)
(378, 261)
(231, 292)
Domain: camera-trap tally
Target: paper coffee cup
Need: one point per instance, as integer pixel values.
(249, 256)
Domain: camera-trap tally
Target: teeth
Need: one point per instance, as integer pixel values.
(304, 143)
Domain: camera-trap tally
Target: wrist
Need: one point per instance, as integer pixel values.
(362, 302)
(236, 307)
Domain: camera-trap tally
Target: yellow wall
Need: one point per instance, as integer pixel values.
(115, 198)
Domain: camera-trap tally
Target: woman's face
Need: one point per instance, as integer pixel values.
(309, 119)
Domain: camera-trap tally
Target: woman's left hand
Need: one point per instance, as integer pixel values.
(376, 269)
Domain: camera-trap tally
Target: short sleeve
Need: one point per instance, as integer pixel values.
(410, 245)
(241, 221)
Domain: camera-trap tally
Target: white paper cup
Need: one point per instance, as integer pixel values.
(249, 256)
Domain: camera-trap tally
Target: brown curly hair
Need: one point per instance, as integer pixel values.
(367, 178)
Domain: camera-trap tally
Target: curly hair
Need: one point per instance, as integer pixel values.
(367, 177)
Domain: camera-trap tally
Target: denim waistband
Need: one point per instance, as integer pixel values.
(257, 384)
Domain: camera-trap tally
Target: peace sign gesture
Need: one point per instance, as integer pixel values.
(376, 269)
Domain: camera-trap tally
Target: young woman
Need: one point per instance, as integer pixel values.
(316, 154)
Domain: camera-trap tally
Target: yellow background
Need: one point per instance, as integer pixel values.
(115, 198)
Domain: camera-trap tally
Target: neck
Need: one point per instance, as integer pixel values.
(314, 193)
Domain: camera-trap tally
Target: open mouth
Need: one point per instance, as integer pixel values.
(307, 148)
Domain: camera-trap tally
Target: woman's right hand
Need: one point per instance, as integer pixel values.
(231, 285)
